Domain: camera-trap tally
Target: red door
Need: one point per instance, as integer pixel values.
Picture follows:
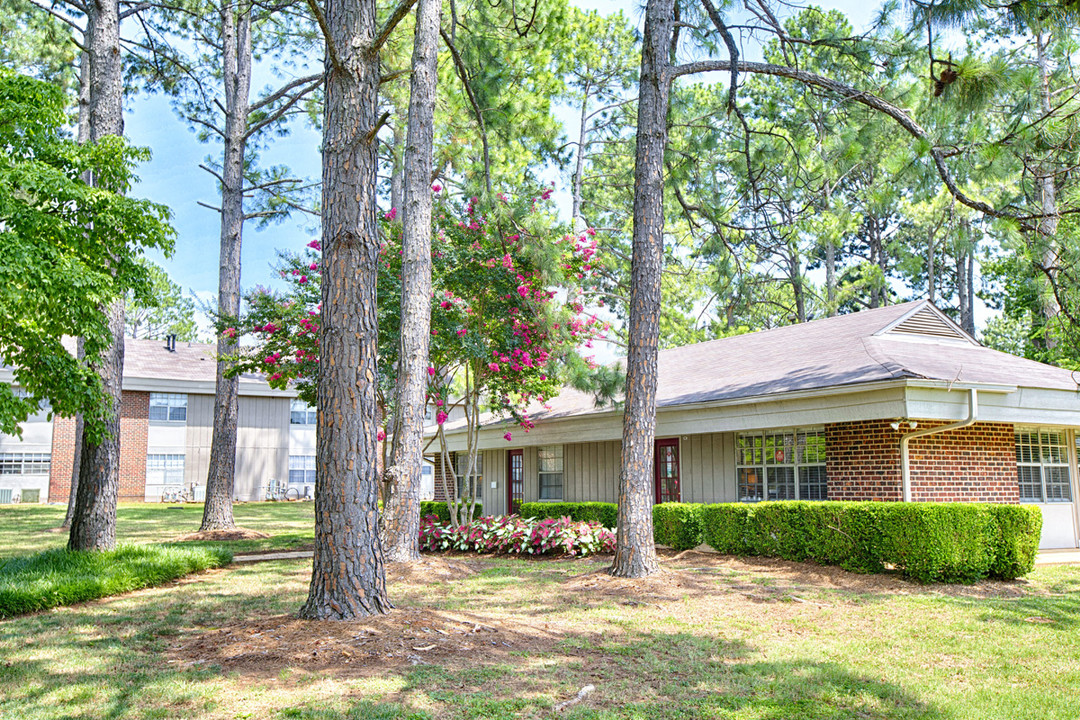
(515, 482)
(666, 470)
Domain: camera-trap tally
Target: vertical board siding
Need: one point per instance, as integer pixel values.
(707, 468)
(591, 471)
(262, 443)
(530, 469)
(494, 499)
(200, 432)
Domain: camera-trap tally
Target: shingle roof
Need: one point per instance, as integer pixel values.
(191, 362)
(831, 352)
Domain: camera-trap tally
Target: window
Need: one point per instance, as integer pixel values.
(164, 469)
(1042, 465)
(25, 463)
(551, 472)
(461, 466)
(169, 407)
(301, 469)
(300, 413)
(781, 465)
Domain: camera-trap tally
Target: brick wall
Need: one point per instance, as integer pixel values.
(972, 464)
(134, 426)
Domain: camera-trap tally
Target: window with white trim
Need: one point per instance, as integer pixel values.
(165, 469)
(550, 468)
(168, 407)
(300, 413)
(25, 463)
(786, 464)
(301, 469)
(461, 465)
(1042, 465)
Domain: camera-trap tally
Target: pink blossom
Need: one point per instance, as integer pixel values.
(440, 417)
(461, 331)
(493, 367)
(313, 266)
(303, 279)
(508, 436)
(381, 436)
(315, 245)
(229, 332)
(391, 214)
(436, 187)
(431, 371)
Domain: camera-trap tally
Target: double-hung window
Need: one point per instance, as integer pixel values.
(164, 469)
(781, 465)
(1042, 465)
(300, 413)
(301, 469)
(168, 407)
(461, 466)
(550, 459)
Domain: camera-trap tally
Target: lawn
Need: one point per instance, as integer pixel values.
(474, 637)
(26, 529)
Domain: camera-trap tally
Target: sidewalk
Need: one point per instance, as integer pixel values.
(1058, 557)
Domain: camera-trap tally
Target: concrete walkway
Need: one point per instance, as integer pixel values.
(260, 557)
(1058, 557)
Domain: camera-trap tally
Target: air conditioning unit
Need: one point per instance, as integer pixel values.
(5, 496)
(200, 493)
(30, 495)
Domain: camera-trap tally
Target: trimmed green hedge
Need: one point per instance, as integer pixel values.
(63, 577)
(607, 514)
(677, 525)
(440, 510)
(928, 542)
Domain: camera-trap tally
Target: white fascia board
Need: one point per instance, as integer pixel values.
(1024, 406)
(201, 387)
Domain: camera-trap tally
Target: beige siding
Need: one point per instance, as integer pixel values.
(591, 472)
(707, 468)
(200, 432)
(530, 469)
(262, 445)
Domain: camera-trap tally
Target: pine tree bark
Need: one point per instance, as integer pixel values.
(635, 551)
(1046, 196)
(347, 579)
(93, 525)
(236, 73)
(401, 521)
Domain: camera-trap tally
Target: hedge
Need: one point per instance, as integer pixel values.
(928, 542)
(677, 525)
(439, 509)
(607, 514)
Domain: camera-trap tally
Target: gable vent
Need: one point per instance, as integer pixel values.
(928, 323)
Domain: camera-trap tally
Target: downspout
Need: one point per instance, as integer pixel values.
(905, 465)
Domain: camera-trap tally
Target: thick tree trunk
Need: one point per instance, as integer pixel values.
(635, 553)
(236, 71)
(579, 169)
(1046, 195)
(347, 578)
(397, 171)
(401, 522)
(931, 280)
(93, 525)
(830, 276)
(969, 315)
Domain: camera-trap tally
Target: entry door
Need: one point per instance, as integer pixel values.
(515, 482)
(666, 470)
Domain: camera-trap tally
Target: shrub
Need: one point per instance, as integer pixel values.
(677, 525)
(928, 542)
(606, 514)
(62, 577)
(440, 509)
(516, 535)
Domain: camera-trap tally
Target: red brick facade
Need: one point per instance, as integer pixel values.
(972, 464)
(134, 428)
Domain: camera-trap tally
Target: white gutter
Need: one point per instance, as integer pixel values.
(905, 465)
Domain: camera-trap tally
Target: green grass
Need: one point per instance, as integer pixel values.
(25, 529)
(63, 577)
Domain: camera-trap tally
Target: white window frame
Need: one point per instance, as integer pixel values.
(166, 469)
(305, 466)
(764, 454)
(461, 464)
(547, 489)
(300, 413)
(17, 463)
(1045, 462)
(174, 405)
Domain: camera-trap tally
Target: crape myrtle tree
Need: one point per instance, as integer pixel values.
(68, 248)
(508, 320)
(203, 54)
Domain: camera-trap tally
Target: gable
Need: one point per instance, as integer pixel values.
(929, 323)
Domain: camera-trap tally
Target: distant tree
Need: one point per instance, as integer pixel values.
(165, 312)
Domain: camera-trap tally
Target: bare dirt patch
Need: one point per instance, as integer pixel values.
(237, 533)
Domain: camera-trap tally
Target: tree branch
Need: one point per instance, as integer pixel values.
(865, 98)
(282, 91)
(331, 49)
(62, 17)
(459, 65)
(277, 114)
(396, 16)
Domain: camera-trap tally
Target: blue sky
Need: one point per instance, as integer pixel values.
(173, 177)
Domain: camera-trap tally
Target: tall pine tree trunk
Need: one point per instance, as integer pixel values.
(579, 165)
(401, 526)
(93, 525)
(236, 72)
(1046, 196)
(347, 578)
(635, 552)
